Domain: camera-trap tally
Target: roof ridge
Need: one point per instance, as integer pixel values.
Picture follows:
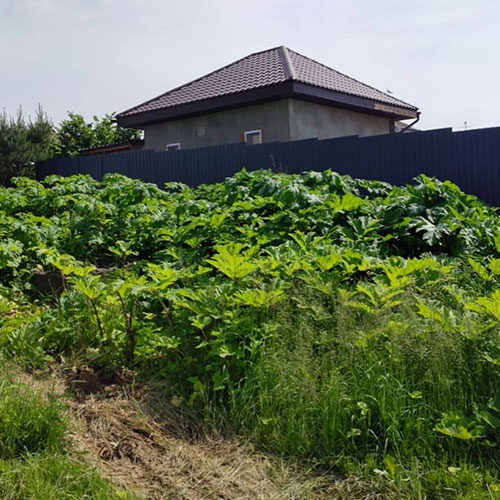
(198, 79)
(287, 63)
(353, 79)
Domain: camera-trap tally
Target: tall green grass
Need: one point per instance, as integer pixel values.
(29, 422)
(371, 388)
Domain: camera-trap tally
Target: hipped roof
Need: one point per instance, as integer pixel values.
(272, 74)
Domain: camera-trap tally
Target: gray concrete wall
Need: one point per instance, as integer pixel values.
(309, 120)
(224, 127)
(284, 120)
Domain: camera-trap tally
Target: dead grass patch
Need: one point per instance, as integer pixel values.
(137, 452)
(163, 459)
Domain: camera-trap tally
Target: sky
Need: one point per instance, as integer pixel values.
(100, 56)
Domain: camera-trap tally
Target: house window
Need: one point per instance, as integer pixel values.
(173, 147)
(253, 137)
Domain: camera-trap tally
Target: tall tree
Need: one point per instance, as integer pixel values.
(24, 142)
(75, 134)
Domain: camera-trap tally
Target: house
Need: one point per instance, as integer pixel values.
(274, 95)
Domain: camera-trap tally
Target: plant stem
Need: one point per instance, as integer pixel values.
(96, 312)
(129, 330)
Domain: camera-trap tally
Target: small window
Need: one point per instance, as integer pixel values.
(253, 137)
(175, 146)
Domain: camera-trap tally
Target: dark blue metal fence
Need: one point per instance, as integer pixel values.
(469, 158)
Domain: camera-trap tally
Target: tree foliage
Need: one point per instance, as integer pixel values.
(75, 134)
(23, 142)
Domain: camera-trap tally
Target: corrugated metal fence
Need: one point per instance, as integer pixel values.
(470, 158)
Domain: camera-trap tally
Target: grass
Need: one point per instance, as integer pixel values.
(364, 393)
(151, 446)
(54, 477)
(33, 441)
(29, 423)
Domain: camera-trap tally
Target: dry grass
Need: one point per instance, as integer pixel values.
(138, 453)
(161, 460)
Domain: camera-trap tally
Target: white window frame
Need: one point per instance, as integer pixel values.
(171, 145)
(250, 132)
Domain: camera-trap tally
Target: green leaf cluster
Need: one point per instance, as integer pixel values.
(75, 134)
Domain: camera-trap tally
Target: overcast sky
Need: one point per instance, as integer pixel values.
(98, 56)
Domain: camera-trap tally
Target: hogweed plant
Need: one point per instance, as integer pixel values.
(346, 323)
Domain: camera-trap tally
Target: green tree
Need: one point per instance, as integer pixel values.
(75, 134)
(22, 143)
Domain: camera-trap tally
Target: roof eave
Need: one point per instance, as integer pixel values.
(237, 100)
(117, 146)
(288, 89)
(320, 95)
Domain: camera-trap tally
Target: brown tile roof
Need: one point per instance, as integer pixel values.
(264, 69)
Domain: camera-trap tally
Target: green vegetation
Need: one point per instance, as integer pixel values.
(347, 324)
(22, 143)
(32, 443)
(28, 423)
(75, 134)
(54, 478)
(25, 142)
